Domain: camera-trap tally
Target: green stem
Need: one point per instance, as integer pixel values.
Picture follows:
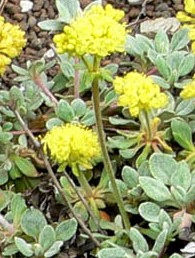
(106, 159)
(84, 183)
(144, 118)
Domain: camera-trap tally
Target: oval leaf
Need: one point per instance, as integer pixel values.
(66, 229)
(155, 189)
(139, 242)
(47, 237)
(162, 166)
(64, 111)
(32, 222)
(182, 134)
(149, 211)
(54, 249)
(23, 247)
(25, 166)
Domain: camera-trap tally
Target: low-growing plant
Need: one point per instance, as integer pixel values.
(118, 149)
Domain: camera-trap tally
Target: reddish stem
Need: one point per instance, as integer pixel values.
(37, 80)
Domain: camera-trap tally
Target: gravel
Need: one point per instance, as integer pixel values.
(28, 13)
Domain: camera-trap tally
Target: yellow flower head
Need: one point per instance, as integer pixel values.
(4, 61)
(138, 92)
(96, 32)
(188, 90)
(188, 19)
(72, 144)
(11, 42)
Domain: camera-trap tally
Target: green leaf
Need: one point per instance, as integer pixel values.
(181, 176)
(161, 42)
(190, 197)
(175, 255)
(155, 189)
(53, 122)
(149, 211)
(89, 118)
(67, 9)
(23, 246)
(95, 2)
(160, 241)
(130, 176)
(180, 39)
(179, 194)
(5, 137)
(121, 142)
(47, 237)
(186, 65)
(143, 155)
(110, 97)
(18, 207)
(67, 68)
(79, 107)
(32, 222)
(51, 25)
(25, 166)
(4, 199)
(160, 81)
(129, 153)
(131, 46)
(144, 42)
(182, 134)
(54, 249)
(19, 70)
(149, 254)
(164, 219)
(115, 252)
(14, 172)
(185, 107)
(66, 229)
(10, 250)
(139, 242)
(3, 176)
(121, 121)
(64, 111)
(162, 166)
(163, 68)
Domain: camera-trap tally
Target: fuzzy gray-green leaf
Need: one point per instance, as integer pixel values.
(155, 189)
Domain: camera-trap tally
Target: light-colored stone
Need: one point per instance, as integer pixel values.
(135, 2)
(26, 5)
(49, 54)
(153, 26)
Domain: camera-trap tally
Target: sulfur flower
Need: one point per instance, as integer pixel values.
(97, 32)
(11, 42)
(72, 144)
(4, 61)
(188, 19)
(138, 92)
(188, 90)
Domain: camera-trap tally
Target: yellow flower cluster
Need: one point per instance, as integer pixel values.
(185, 17)
(188, 90)
(11, 42)
(97, 32)
(71, 144)
(138, 92)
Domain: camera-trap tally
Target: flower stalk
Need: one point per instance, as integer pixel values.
(106, 158)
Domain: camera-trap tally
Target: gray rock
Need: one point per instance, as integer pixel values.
(153, 26)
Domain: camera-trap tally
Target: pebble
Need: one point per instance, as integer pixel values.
(135, 2)
(162, 7)
(26, 5)
(32, 21)
(49, 53)
(153, 26)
